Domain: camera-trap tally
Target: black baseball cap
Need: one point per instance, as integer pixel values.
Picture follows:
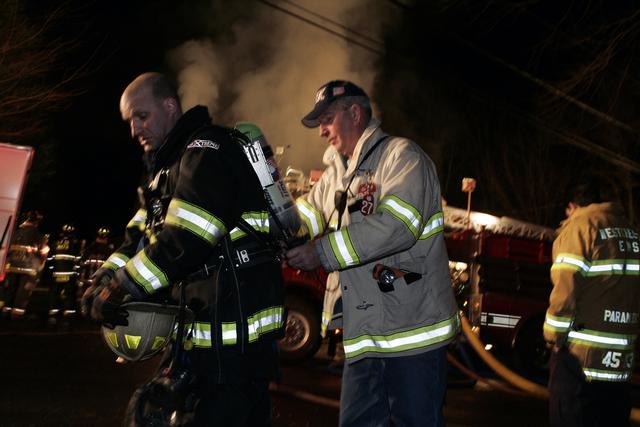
(325, 96)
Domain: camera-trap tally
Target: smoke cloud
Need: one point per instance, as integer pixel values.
(270, 69)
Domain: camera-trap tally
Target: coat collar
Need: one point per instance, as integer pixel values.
(372, 134)
(174, 143)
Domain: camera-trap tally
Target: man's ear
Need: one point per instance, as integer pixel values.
(171, 105)
(354, 112)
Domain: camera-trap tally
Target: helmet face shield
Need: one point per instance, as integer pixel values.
(149, 330)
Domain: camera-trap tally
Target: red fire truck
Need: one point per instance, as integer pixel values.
(500, 272)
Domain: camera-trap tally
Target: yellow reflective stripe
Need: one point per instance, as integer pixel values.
(604, 267)
(63, 257)
(112, 338)
(557, 323)
(132, 341)
(402, 211)
(229, 333)
(591, 338)
(138, 220)
(343, 249)
(158, 342)
(145, 273)
(604, 375)
(402, 341)
(264, 321)
(201, 334)
(311, 217)
(614, 267)
(259, 221)
(196, 220)
(435, 224)
(116, 261)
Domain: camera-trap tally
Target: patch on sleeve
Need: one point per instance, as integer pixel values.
(203, 143)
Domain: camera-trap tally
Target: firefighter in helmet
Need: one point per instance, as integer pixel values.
(24, 263)
(62, 270)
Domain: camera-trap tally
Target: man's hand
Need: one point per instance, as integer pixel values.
(303, 257)
(102, 277)
(106, 305)
(99, 279)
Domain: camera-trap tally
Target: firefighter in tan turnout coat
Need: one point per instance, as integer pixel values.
(592, 318)
(380, 226)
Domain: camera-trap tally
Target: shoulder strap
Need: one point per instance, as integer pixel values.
(341, 204)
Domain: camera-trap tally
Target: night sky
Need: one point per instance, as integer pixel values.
(523, 96)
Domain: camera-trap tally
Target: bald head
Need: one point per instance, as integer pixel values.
(150, 105)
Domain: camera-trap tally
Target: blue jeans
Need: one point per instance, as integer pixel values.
(407, 390)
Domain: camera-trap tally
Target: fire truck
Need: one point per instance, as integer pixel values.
(500, 272)
(15, 161)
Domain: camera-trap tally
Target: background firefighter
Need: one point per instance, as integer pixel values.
(592, 320)
(61, 272)
(201, 186)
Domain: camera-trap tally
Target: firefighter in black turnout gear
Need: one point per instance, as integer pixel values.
(61, 272)
(201, 197)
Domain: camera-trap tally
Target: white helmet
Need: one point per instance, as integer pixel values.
(148, 332)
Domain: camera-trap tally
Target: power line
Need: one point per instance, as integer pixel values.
(322, 27)
(337, 24)
(537, 81)
(574, 140)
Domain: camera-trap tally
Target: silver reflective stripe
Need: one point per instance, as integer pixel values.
(596, 267)
(264, 321)
(343, 249)
(434, 225)
(574, 262)
(229, 333)
(498, 320)
(310, 216)
(116, 261)
(145, 273)
(259, 221)
(402, 341)
(609, 339)
(403, 211)
(138, 219)
(63, 257)
(196, 220)
(555, 323)
(596, 374)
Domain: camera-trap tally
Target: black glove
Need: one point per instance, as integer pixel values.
(102, 276)
(106, 307)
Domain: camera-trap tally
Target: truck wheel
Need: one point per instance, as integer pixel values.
(531, 353)
(302, 331)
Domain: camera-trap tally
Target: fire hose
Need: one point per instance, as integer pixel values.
(508, 375)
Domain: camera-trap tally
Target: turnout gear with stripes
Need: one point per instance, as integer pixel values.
(200, 187)
(393, 216)
(594, 305)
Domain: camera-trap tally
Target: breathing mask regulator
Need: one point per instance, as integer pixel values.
(285, 224)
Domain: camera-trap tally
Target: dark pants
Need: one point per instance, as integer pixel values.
(574, 401)
(16, 289)
(406, 390)
(234, 405)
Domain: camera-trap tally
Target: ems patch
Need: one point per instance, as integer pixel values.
(203, 143)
